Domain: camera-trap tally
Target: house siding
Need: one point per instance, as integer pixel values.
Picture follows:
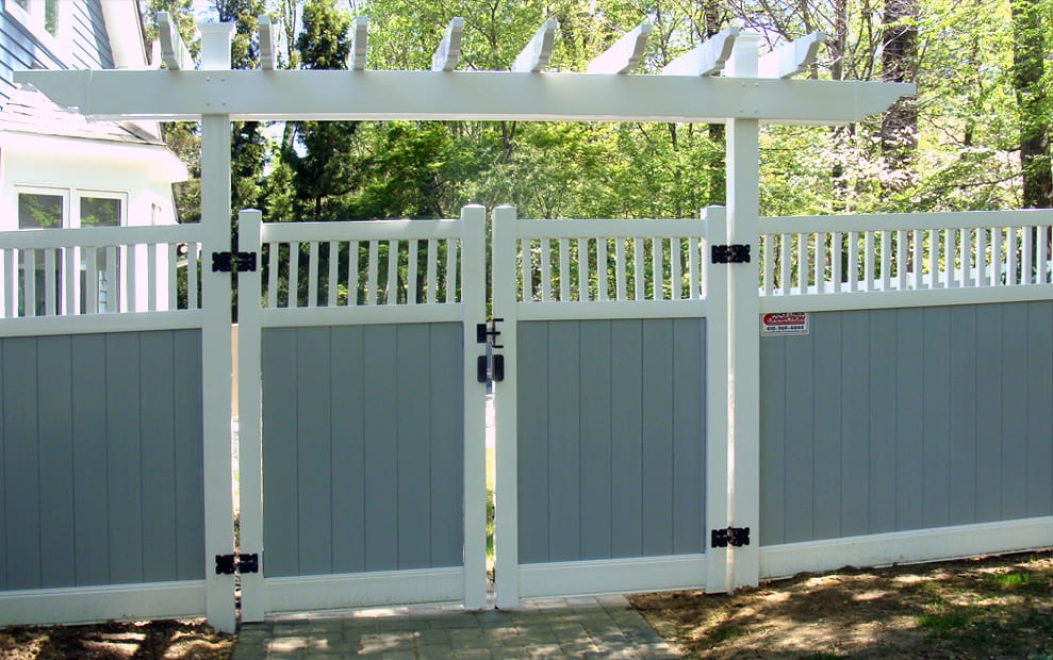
(905, 419)
(87, 40)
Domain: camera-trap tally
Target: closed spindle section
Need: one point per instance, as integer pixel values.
(1042, 255)
(934, 258)
(352, 272)
(949, 253)
(331, 280)
(965, 245)
(452, 269)
(657, 270)
(639, 266)
(546, 270)
(601, 268)
(820, 262)
(901, 260)
(1026, 261)
(527, 269)
(693, 289)
(619, 267)
(981, 257)
(886, 259)
(431, 281)
(70, 273)
(868, 262)
(767, 241)
(373, 273)
(411, 272)
(391, 293)
(151, 276)
(853, 261)
(996, 256)
(91, 276)
(294, 275)
(802, 263)
(173, 276)
(49, 282)
(129, 291)
(917, 247)
(1010, 250)
(835, 261)
(674, 268)
(272, 275)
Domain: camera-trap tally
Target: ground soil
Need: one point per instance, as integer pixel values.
(144, 639)
(978, 608)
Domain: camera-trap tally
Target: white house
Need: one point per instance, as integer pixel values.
(57, 168)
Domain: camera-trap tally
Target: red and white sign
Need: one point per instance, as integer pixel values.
(784, 323)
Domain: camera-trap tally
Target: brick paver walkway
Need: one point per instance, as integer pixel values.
(574, 627)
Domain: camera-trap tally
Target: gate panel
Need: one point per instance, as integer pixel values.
(373, 483)
(363, 450)
(606, 471)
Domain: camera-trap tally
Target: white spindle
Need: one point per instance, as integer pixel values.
(452, 270)
(391, 291)
(312, 274)
(619, 267)
(981, 256)
(916, 236)
(820, 262)
(674, 267)
(173, 276)
(526, 266)
(996, 256)
(411, 272)
(949, 252)
(583, 269)
(193, 250)
(601, 268)
(657, 270)
(901, 259)
(72, 280)
(91, 276)
(1041, 266)
(784, 264)
(768, 241)
(802, 263)
(1026, 261)
(546, 270)
(934, 258)
(333, 279)
(853, 261)
(352, 273)
(639, 269)
(151, 277)
(835, 261)
(294, 275)
(1010, 249)
(564, 270)
(886, 259)
(272, 275)
(49, 282)
(965, 244)
(432, 282)
(693, 290)
(868, 262)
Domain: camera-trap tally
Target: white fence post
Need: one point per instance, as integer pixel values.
(506, 504)
(216, 367)
(716, 449)
(250, 455)
(473, 304)
(743, 197)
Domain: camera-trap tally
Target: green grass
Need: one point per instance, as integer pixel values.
(1010, 580)
(953, 620)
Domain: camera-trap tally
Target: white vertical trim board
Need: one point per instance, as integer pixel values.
(152, 600)
(326, 592)
(923, 545)
(718, 578)
(612, 576)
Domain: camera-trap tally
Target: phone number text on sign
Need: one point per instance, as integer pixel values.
(784, 323)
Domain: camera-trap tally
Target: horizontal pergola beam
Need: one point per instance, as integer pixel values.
(490, 95)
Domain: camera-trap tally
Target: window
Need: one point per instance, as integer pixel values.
(45, 20)
(50, 208)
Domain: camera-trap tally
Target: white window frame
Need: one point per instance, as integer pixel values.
(71, 198)
(80, 193)
(34, 20)
(53, 191)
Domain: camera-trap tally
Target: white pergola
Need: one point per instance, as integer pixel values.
(723, 80)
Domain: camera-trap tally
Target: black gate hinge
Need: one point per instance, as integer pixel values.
(736, 253)
(735, 536)
(223, 262)
(229, 564)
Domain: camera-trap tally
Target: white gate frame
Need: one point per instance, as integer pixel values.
(262, 595)
(706, 569)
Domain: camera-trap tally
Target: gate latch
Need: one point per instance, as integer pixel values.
(223, 262)
(485, 334)
(229, 564)
(489, 366)
(735, 536)
(736, 253)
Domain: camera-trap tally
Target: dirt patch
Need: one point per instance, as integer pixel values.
(989, 607)
(146, 639)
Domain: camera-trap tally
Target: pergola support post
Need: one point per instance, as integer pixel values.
(743, 202)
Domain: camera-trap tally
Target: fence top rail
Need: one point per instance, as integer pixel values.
(614, 228)
(26, 239)
(360, 230)
(904, 221)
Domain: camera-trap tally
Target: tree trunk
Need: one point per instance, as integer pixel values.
(899, 126)
(1031, 98)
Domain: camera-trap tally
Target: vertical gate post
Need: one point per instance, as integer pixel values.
(216, 367)
(473, 304)
(506, 503)
(250, 450)
(743, 198)
(716, 351)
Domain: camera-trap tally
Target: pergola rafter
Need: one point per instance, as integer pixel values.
(750, 92)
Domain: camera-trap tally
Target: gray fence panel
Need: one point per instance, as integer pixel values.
(87, 420)
(921, 418)
(362, 431)
(611, 438)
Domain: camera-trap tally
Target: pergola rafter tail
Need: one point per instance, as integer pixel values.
(485, 95)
